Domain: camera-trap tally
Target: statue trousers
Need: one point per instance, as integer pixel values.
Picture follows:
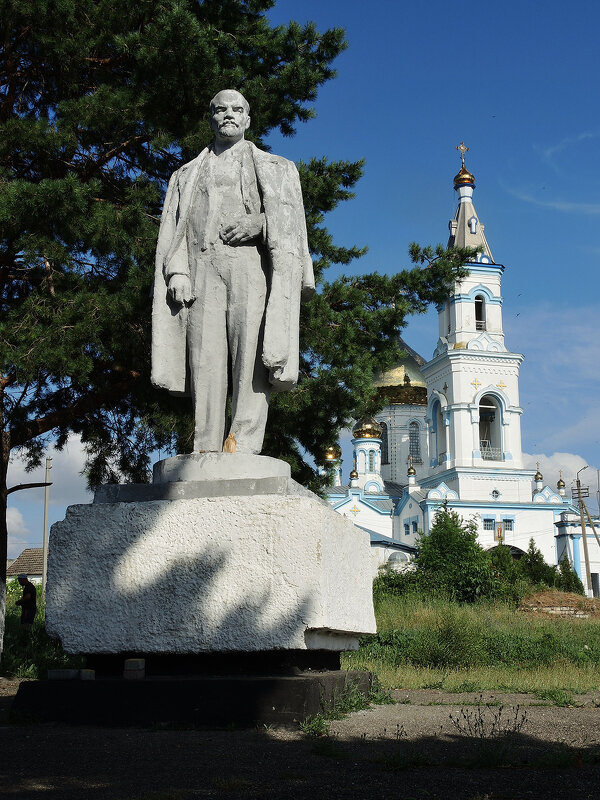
(224, 334)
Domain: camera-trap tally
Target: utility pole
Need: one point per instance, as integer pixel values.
(45, 539)
(588, 574)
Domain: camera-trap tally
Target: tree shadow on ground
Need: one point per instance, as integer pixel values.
(48, 763)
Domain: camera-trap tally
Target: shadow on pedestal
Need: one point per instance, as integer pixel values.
(193, 700)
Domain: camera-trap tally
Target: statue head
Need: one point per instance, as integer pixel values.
(229, 116)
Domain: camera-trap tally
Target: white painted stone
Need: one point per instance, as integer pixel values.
(218, 467)
(210, 574)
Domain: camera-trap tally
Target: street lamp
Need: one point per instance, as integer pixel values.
(45, 539)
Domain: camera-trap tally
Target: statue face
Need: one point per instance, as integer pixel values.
(229, 116)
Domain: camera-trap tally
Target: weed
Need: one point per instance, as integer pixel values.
(351, 698)
(437, 684)
(31, 653)
(467, 686)
(489, 722)
(435, 643)
(315, 726)
(557, 697)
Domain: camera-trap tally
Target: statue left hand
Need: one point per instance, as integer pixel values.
(243, 229)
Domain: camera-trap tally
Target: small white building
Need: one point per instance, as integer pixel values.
(451, 430)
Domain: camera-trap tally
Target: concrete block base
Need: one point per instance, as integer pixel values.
(208, 571)
(209, 701)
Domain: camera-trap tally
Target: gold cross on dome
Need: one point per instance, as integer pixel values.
(501, 385)
(355, 510)
(463, 149)
(476, 384)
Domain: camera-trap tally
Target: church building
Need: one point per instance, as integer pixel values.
(451, 431)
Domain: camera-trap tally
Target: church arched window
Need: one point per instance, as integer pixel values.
(490, 429)
(439, 433)
(480, 312)
(385, 457)
(371, 461)
(414, 443)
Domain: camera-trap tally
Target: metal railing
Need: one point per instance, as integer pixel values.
(489, 453)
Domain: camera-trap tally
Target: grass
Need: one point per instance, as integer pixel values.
(348, 700)
(436, 644)
(30, 653)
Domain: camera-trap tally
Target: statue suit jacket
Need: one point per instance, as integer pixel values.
(290, 279)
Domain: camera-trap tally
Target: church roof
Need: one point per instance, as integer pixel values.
(380, 538)
(466, 230)
(403, 383)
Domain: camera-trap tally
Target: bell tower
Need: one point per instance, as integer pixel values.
(473, 412)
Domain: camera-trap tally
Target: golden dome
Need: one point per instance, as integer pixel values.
(333, 453)
(411, 470)
(367, 428)
(560, 484)
(464, 177)
(538, 476)
(353, 475)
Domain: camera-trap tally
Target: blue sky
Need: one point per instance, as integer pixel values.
(518, 83)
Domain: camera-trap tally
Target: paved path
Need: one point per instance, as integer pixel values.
(410, 750)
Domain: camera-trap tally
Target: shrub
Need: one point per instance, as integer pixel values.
(568, 580)
(533, 567)
(451, 556)
(30, 653)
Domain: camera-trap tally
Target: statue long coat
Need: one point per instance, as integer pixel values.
(290, 276)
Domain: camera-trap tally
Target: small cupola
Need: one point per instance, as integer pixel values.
(367, 428)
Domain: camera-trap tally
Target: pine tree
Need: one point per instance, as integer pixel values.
(568, 580)
(100, 103)
(534, 568)
(450, 559)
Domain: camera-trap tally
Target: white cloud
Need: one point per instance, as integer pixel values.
(560, 382)
(68, 484)
(19, 535)
(592, 209)
(570, 464)
(548, 153)
(550, 466)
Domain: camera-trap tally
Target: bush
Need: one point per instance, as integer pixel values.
(568, 580)
(30, 653)
(533, 568)
(450, 556)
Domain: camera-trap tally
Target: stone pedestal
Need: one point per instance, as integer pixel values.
(208, 559)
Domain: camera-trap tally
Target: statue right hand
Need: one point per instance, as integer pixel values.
(180, 289)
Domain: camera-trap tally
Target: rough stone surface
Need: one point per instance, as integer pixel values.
(210, 574)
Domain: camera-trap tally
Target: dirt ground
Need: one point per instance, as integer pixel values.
(411, 750)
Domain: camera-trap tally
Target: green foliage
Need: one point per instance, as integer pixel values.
(534, 568)
(350, 699)
(30, 653)
(568, 580)
(449, 563)
(444, 634)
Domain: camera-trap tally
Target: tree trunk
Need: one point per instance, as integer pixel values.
(4, 457)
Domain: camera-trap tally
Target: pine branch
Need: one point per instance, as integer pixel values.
(67, 416)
